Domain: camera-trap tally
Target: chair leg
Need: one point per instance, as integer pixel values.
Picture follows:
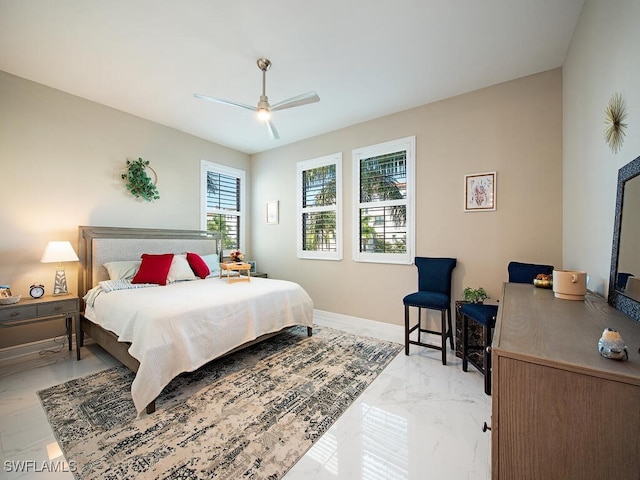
(465, 342)
(450, 330)
(419, 321)
(406, 330)
(487, 360)
(443, 322)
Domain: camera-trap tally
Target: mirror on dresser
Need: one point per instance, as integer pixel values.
(624, 281)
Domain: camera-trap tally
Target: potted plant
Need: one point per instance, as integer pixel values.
(138, 182)
(477, 295)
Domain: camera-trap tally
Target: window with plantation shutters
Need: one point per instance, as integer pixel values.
(319, 213)
(223, 203)
(383, 225)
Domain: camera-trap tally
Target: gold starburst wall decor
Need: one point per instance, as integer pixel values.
(614, 115)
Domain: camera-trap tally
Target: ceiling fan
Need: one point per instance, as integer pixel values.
(264, 109)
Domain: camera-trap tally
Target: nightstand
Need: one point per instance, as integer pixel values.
(256, 274)
(36, 310)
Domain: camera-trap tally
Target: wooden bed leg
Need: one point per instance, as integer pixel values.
(309, 331)
(79, 336)
(151, 407)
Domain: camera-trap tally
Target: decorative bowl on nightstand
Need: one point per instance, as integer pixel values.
(10, 300)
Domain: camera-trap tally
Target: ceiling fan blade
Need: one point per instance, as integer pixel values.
(273, 133)
(226, 102)
(304, 99)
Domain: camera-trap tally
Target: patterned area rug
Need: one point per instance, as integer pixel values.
(252, 414)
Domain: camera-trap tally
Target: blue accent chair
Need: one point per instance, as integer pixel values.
(525, 272)
(621, 281)
(434, 293)
(486, 315)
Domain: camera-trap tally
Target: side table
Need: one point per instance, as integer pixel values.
(36, 310)
(475, 336)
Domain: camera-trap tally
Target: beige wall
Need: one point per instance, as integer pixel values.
(60, 163)
(603, 58)
(513, 128)
(61, 159)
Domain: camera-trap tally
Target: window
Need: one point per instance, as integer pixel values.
(384, 202)
(223, 200)
(319, 194)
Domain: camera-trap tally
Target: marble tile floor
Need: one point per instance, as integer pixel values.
(417, 420)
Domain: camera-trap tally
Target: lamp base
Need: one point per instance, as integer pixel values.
(60, 283)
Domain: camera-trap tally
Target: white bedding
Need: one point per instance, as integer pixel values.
(181, 326)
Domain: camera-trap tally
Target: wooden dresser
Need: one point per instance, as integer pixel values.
(559, 409)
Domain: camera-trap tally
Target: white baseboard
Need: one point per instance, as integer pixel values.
(349, 323)
(19, 353)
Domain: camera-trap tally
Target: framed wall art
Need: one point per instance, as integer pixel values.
(480, 192)
(272, 212)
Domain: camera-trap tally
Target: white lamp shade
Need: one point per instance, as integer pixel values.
(59, 252)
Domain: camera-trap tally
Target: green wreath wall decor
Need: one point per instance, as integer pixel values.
(138, 182)
(614, 115)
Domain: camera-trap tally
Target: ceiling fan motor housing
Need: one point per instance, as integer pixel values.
(264, 64)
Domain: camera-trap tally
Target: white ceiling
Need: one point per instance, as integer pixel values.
(364, 58)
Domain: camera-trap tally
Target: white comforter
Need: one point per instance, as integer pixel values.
(180, 327)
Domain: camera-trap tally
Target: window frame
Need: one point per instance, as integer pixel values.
(301, 167)
(408, 144)
(205, 167)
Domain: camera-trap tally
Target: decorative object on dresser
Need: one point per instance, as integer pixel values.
(569, 284)
(624, 249)
(251, 414)
(36, 290)
(59, 252)
(559, 409)
(611, 345)
(543, 281)
(10, 299)
(434, 293)
(6, 298)
(138, 182)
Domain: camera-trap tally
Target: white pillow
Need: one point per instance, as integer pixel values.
(122, 270)
(180, 269)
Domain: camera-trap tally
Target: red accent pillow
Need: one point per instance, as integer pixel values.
(198, 265)
(154, 269)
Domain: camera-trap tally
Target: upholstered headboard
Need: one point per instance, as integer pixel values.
(99, 245)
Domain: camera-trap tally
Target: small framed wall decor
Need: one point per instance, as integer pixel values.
(480, 192)
(272, 212)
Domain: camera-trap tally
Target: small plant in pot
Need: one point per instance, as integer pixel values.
(477, 295)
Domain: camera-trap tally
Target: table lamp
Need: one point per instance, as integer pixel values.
(59, 252)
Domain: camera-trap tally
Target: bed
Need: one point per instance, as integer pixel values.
(162, 331)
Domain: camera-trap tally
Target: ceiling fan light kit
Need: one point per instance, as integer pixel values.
(263, 110)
